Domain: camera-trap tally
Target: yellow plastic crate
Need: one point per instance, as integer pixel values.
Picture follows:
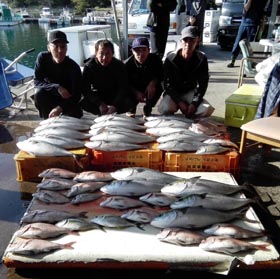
(28, 167)
(191, 162)
(110, 161)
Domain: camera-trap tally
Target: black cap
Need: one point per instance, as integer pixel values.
(140, 42)
(56, 36)
(189, 32)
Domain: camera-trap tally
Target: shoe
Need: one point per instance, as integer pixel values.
(230, 65)
(147, 110)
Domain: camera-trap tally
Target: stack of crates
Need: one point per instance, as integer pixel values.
(211, 23)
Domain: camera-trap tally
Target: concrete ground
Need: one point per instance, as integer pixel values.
(257, 167)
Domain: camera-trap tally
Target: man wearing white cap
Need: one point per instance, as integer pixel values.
(186, 77)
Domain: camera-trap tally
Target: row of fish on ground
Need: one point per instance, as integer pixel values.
(117, 132)
(186, 211)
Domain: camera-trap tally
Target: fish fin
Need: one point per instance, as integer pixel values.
(68, 245)
(83, 214)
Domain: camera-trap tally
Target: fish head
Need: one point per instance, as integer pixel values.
(137, 215)
(165, 219)
(123, 173)
(175, 188)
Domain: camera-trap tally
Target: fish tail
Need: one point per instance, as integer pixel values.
(68, 245)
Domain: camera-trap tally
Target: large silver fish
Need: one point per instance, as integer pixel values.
(63, 142)
(51, 197)
(112, 221)
(119, 123)
(196, 185)
(76, 224)
(77, 127)
(32, 247)
(85, 197)
(55, 184)
(230, 245)
(41, 230)
(121, 202)
(183, 136)
(140, 214)
(158, 199)
(131, 188)
(66, 119)
(103, 145)
(40, 148)
(142, 173)
(122, 137)
(160, 123)
(57, 172)
(100, 130)
(178, 117)
(180, 146)
(181, 237)
(212, 149)
(49, 216)
(119, 117)
(213, 201)
(163, 131)
(84, 187)
(64, 132)
(232, 230)
(86, 176)
(194, 218)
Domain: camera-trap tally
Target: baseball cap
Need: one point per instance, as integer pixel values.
(140, 42)
(189, 32)
(56, 36)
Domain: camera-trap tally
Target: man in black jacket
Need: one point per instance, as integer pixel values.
(186, 77)
(105, 82)
(57, 80)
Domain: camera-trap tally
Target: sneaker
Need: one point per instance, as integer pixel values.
(230, 65)
(147, 110)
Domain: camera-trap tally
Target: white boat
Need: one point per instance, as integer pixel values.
(65, 18)
(7, 17)
(47, 16)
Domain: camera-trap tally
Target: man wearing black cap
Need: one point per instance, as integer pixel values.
(57, 80)
(186, 77)
(145, 73)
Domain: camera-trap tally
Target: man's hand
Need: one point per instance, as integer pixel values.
(191, 110)
(64, 93)
(55, 112)
(103, 108)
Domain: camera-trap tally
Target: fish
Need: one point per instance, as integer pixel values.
(63, 142)
(40, 148)
(142, 173)
(141, 214)
(130, 188)
(77, 127)
(31, 247)
(163, 131)
(119, 117)
(194, 218)
(64, 132)
(103, 145)
(41, 231)
(112, 221)
(230, 245)
(51, 197)
(66, 119)
(125, 137)
(158, 199)
(99, 130)
(232, 230)
(174, 123)
(55, 184)
(212, 149)
(49, 216)
(182, 136)
(212, 201)
(222, 142)
(84, 187)
(121, 202)
(85, 197)
(180, 146)
(76, 224)
(87, 176)
(182, 237)
(57, 172)
(178, 117)
(119, 123)
(197, 185)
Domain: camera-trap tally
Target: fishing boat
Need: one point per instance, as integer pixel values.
(47, 16)
(65, 18)
(7, 17)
